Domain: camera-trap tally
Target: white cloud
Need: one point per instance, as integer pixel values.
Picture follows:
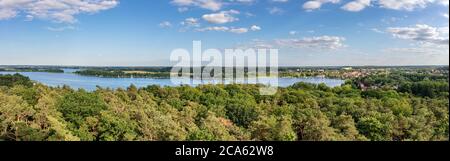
(60, 29)
(359, 5)
(29, 18)
(321, 42)
(312, 5)
(407, 5)
(183, 9)
(293, 32)
(316, 4)
(377, 30)
(7, 14)
(239, 30)
(422, 34)
(417, 50)
(244, 1)
(443, 2)
(221, 17)
(445, 15)
(55, 10)
(356, 5)
(280, 1)
(298, 32)
(255, 44)
(191, 22)
(248, 14)
(255, 28)
(213, 5)
(165, 24)
(275, 10)
(215, 28)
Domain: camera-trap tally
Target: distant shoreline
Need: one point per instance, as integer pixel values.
(290, 66)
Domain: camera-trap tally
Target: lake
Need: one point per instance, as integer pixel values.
(90, 83)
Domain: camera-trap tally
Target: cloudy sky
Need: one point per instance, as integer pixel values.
(144, 32)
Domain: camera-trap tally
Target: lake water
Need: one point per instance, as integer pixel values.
(89, 83)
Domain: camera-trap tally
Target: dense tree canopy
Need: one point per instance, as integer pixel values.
(409, 108)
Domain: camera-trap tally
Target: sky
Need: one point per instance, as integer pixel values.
(145, 32)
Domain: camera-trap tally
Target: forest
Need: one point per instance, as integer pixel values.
(397, 106)
(123, 74)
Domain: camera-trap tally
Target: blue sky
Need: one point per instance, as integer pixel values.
(143, 32)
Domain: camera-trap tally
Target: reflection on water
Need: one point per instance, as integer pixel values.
(90, 83)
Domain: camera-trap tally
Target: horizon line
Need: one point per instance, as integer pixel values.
(203, 66)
